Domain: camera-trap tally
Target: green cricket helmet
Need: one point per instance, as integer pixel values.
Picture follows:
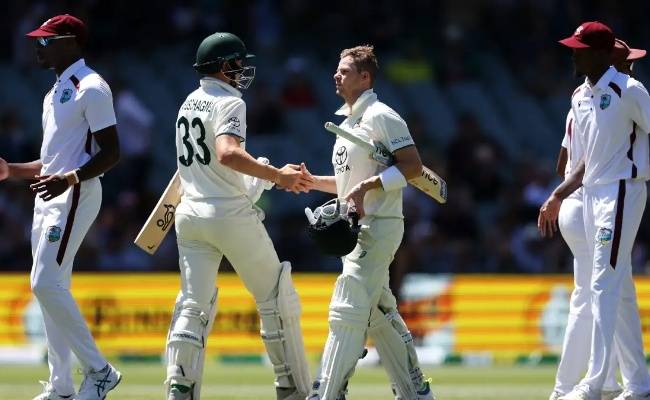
(225, 48)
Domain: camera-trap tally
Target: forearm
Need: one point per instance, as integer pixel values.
(239, 160)
(26, 170)
(99, 164)
(325, 184)
(571, 183)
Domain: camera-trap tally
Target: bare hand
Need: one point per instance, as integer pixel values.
(292, 179)
(547, 219)
(49, 186)
(356, 195)
(4, 170)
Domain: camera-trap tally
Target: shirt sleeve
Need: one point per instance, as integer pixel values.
(639, 105)
(98, 107)
(231, 119)
(568, 130)
(393, 131)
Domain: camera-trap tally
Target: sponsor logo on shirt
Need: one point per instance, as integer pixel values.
(234, 123)
(401, 139)
(341, 157)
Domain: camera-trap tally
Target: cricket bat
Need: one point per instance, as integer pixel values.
(161, 219)
(429, 182)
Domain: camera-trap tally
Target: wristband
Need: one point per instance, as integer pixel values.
(392, 179)
(71, 177)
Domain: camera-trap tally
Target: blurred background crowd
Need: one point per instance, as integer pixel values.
(483, 85)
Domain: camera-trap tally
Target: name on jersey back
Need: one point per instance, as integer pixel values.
(198, 105)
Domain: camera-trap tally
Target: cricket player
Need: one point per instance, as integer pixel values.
(216, 217)
(577, 338)
(362, 303)
(611, 114)
(80, 143)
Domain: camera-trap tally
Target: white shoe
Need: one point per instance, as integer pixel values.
(555, 395)
(610, 394)
(627, 395)
(50, 394)
(575, 394)
(97, 384)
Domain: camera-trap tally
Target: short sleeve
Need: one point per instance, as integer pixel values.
(98, 107)
(568, 130)
(393, 130)
(231, 119)
(638, 104)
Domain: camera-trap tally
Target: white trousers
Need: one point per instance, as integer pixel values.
(612, 214)
(243, 239)
(577, 337)
(58, 229)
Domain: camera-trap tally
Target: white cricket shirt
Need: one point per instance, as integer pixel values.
(612, 119)
(370, 119)
(79, 104)
(575, 152)
(214, 109)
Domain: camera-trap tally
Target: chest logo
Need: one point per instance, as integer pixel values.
(66, 95)
(341, 155)
(605, 100)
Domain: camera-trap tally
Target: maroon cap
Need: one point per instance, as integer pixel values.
(595, 35)
(65, 24)
(623, 52)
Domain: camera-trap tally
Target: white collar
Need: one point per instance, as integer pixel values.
(359, 105)
(208, 81)
(604, 80)
(68, 72)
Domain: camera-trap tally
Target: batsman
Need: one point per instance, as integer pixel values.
(362, 303)
(216, 217)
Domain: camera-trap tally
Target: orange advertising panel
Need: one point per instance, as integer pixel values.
(130, 313)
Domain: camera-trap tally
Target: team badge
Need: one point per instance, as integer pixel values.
(66, 95)
(604, 236)
(53, 234)
(604, 101)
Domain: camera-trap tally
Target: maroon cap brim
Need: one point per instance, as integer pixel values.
(635, 54)
(573, 43)
(40, 33)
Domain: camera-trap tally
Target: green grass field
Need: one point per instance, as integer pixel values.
(243, 381)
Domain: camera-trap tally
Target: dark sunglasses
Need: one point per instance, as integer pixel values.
(43, 41)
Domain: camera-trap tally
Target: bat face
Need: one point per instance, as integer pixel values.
(161, 219)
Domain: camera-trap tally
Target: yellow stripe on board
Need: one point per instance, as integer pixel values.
(130, 313)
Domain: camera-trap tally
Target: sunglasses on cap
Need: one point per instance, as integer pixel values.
(43, 41)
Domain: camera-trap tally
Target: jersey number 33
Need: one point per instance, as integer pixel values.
(190, 151)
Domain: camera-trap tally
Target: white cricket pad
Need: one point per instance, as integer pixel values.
(282, 336)
(348, 319)
(395, 347)
(186, 342)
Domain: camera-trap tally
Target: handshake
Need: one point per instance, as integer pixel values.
(295, 178)
(292, 178)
